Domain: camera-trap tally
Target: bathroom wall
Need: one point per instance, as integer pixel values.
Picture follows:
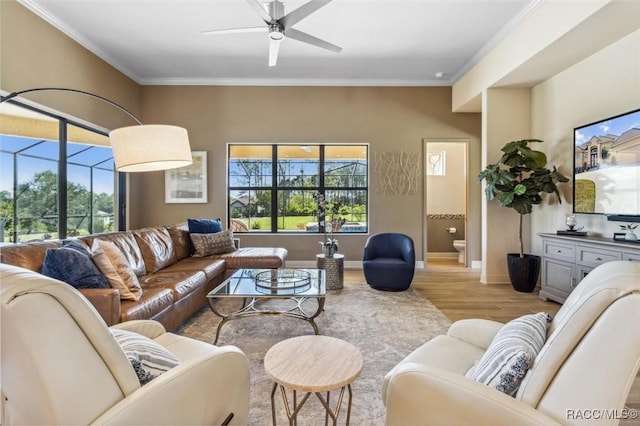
(446, 194)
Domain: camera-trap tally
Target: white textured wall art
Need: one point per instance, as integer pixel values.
(398, 172)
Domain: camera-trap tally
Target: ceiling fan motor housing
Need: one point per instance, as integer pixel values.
(275, 9)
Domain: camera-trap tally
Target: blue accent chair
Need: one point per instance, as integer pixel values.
(389, 261)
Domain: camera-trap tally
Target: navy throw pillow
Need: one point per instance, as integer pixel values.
(73, 267)
(204, 226)
(77, 245)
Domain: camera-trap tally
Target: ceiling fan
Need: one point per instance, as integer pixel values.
(279, 26)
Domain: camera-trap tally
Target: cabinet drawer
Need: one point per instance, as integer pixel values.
(595, 256)
(631, 256)
(560, 251)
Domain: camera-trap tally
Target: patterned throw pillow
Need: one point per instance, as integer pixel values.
(512, 352)
(73, 267)
(148, 358)
(208, 244)
(115, 267)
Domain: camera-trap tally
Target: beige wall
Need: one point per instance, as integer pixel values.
(35, 54)
(506, 117)
(603, 85)
(389, 119)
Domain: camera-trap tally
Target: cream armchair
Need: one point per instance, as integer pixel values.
(588, 363)
(61, 365)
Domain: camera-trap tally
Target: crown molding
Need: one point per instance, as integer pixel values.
(291, 82)
(77, 37)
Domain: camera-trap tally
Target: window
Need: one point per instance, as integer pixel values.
(273, 188)
(57, 178)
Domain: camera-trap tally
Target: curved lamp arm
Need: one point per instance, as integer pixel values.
(140, 148)
(64, 89)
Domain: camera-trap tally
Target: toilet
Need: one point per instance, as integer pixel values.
(460, 245)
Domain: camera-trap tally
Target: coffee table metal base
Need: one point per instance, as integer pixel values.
(251, 309)
(292, 411)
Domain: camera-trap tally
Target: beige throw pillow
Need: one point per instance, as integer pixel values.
(114, 266)
(208, 244)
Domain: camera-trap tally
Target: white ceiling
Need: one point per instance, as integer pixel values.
(385, 42)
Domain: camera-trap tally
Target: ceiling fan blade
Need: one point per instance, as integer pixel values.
(274, 48)
(257, 6)
(295, 16)
(309, 39)
(236, 31)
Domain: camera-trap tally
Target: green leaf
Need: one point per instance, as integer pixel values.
(520, 189)
(522, 205)
(506, 198)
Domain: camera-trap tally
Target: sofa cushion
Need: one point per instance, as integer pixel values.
(127, 244)
(115, 267)
(208, 244)
(181, 283)
(212, 268)
(204, 226)
(254, 257)
(181, 241)
(152, 303)
(156, 247)
(29, 256)
(148, 358)
(512, 352)
(443, 353)
(73, 267)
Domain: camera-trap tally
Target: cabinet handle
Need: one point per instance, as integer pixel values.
(573, 282)
(558, 251)
(598, 258)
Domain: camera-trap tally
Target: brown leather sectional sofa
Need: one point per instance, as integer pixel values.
(174, 284)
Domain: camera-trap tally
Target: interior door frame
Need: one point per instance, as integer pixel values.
(425, 143)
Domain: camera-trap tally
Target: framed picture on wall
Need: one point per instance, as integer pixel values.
(187, 184)
(436, 163)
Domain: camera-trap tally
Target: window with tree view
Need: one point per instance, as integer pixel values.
(274, 188)
(58, 179)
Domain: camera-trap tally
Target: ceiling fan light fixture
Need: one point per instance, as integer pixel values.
(276, 32)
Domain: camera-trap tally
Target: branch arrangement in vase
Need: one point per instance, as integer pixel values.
(329, 245)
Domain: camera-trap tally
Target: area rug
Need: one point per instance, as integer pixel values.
(385, 326)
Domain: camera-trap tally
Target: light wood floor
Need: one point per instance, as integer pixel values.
(459, 294)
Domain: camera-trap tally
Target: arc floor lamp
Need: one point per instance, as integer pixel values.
(139, 148)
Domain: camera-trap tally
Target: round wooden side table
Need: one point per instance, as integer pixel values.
(333, 269)
(312, 364)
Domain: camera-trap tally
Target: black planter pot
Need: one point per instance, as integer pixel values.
(523, 272)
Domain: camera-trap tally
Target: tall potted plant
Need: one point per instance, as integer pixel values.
(518, 181)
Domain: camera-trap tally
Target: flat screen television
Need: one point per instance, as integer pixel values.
(606, 168)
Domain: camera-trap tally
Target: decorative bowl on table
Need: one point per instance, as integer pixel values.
(283, 279)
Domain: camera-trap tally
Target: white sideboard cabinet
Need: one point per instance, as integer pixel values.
(567, 259)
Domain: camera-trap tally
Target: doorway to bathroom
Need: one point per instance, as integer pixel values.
(446, 201)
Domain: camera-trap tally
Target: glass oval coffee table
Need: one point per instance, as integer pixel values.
(315, 365)
(257, 286)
